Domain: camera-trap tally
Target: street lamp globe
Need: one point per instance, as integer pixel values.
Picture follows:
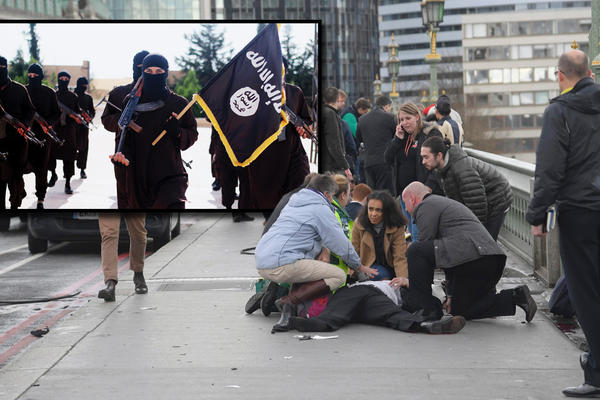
(432, 12)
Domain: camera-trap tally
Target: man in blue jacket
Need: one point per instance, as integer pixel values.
(566, 172)
(296, 248)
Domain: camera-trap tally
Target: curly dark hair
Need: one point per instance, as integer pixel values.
(392, 214)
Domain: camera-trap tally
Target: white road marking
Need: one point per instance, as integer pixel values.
(32, 258)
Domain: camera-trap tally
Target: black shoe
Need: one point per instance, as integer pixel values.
(140, 283)
(216, 185)
(52, 180)
(585, 390)
(68, 189)
(40, 206)
(254, 302)
(448, 324)
(83, 175)
(523, 299)
(241, 217)
(287, 312)
(268, 300)
(108, 293)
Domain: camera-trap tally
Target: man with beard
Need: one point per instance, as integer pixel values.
(156, 177)
(44, 100)
(110, 119)
(66, 130)
(87, 105)
(14, 99)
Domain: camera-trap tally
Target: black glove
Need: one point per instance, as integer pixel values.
(173, 130)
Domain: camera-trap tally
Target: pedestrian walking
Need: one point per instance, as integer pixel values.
(566, 173)
(86, 105)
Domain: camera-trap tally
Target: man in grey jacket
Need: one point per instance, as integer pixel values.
(470, 181)
(301, 237)
(451, 238)
(333, 151)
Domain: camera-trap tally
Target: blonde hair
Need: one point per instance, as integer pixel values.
(343, 184)
(412, 109)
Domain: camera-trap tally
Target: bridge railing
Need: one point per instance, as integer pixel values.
(541, 253)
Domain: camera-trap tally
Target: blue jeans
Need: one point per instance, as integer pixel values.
(412, 227)
(384, 273)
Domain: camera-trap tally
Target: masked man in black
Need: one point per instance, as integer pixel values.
(87, 105)
(156, 177)
(110, 119)
(44, 100)
(15, 100)
(66, 130)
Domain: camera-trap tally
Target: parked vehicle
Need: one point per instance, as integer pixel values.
(83, 226)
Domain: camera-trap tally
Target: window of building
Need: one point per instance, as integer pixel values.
(540, 74)
(468, 31)
(542, 27)
(497, 29)
(543, 51)
(499, 53)
(526, 98)
(516, 121)
(514, 75)
(568, 26)
(497, 122)
(479, 30)
(506, 75)
(514, 52)
(527, 121)
(525, 51)
(525, 74)
(539, 121)
(498, 99)
(541, 97)
(521, 28)
(551, 76)
(495, 76)
(515, 99)
(481, 100)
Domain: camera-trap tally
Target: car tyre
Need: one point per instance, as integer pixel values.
(36, 245)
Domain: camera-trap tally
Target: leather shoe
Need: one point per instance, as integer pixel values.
(287, 312)
(268, 300)
(523, 299)
(253, 302)
(241, 217)
(108, 293)
(40, 206)
(68, 189)
(216, 185)
(140, 283)
(83, 175)
(584, 390)
(52, 180)
(448, 324)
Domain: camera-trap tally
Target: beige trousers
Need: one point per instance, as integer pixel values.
(306, 271)
(109, 230)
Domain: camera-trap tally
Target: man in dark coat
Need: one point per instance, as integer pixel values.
(45, 102)
(110, 119)
(15, 100)
(158, 178)
(566, 172)
(87, 105)
(284, 164)
(332, 151)
(376, 130)
(66, 130)
(470, 181)
(453, 239)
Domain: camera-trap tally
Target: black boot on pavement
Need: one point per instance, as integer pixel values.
(255, 301)
(268, 300)
(448, 324)
(523, 299)
(287, 304)
(40, 205)
(241, 217)
(140, 283)
(108, 293)
(68, 189)
(53, 179)
(583, 391)
(83, 175)
(216, 185)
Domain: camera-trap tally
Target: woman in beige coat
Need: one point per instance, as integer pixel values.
(378, 236)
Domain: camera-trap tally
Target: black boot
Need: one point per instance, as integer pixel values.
(83, 175)
(287, 311)
(522, 298)
(53, 179)
(68, 189)
(287, 304)
(140, 283)
(40, 205)
(268, 300)
(241, 217)
(108, 293)
(255, 302)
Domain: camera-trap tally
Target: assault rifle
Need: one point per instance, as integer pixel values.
(127, 114)
(297, 121)
(47, 128)
(87, 118)
(132, 125)
(76, 116)
(21, 128)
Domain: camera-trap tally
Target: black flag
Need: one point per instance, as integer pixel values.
(244, 101)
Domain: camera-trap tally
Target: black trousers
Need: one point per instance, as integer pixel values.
(379, 177)
(363, 304)
(471, 286)
(494, 224)
(580, 248)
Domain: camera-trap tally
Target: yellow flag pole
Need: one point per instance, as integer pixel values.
(195, 98)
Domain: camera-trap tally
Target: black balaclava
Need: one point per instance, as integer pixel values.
(63, 85)
(138, 59)
(36, 69)
(3, 71)
(82, 85)
(155, 86)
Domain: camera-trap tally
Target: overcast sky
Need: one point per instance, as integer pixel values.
(110, 47)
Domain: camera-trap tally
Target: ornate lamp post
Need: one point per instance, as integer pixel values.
(433, 15)
(377, 86)
(393, 65)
